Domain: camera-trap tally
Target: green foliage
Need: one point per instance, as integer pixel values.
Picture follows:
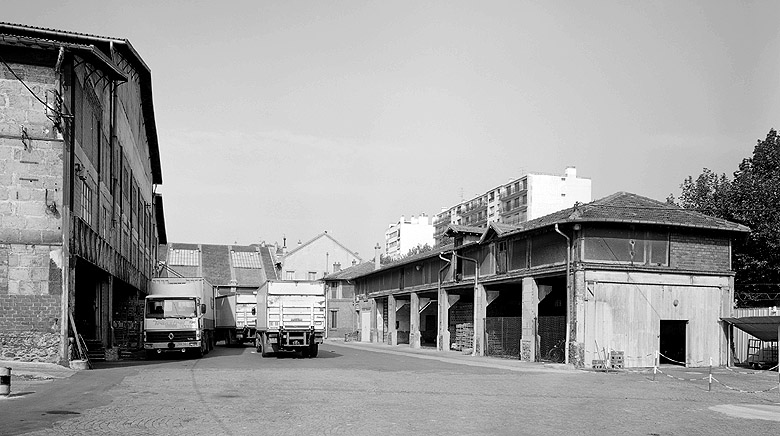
(751, 198)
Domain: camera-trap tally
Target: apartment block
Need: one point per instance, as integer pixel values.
(407, 234)
(525, 198)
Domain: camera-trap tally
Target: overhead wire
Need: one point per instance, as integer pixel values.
(58, 112)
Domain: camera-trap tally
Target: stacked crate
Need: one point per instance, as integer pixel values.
(464, 336)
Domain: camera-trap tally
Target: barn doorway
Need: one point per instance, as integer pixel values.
(672, 340)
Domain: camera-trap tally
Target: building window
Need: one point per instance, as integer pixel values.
(626, 246)
(517, 202)
(86, 202)
(289, 275)
(312, 275)
(334, 319)
(491, 196)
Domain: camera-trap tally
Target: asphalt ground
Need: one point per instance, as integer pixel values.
(358, 388)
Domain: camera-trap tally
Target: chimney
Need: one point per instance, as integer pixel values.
(571, 171)
(354, 262)
(377, 262)
(336, 266)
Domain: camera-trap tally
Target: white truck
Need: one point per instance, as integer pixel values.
(236, 317)
(179, 316)
(290, 317)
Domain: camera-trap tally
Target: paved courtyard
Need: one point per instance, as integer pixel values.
(361, 389)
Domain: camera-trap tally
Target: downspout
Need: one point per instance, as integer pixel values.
(67, 213)
(568, 293)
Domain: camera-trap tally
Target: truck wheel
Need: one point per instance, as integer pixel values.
(150, 354)
(305, 353)
(313, 350)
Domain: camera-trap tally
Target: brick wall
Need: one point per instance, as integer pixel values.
(30, 302)
(699, 251)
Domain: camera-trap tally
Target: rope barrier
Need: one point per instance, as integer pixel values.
(743, 391)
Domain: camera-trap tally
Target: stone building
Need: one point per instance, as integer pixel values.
(80, 221)
(623, 274)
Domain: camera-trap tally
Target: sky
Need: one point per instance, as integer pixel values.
(287, 118)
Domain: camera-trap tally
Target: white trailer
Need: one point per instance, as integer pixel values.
(179, 316)
(290, 317)
(236, 317)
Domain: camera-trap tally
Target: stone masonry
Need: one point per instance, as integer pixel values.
(31, 171)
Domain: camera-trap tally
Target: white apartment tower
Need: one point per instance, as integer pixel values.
(407, 234)
(528, 197)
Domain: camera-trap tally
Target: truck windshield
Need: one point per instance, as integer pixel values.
(178, 308)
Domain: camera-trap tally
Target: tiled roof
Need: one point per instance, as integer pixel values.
(457, 228)
(269, 263)
(625, 207)
(351, 272)
(219, 264)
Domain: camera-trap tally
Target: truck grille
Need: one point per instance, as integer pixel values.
(178, 336)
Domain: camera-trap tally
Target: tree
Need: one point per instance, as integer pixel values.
(755, 201)
(752, 199)
(419, 249)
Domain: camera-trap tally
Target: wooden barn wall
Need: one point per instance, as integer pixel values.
(622, 311)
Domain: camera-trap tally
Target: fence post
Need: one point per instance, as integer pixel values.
(655, 364)
(709, 383)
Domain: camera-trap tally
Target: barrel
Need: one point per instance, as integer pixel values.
(5, 381)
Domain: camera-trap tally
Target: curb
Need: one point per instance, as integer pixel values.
(462, 359)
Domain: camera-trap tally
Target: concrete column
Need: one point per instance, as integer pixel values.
(374, 331)
(577, 313)
(392, 333)
(414, 321)
(480, 313)
(110, 284)
(443, 335)
(530, 311)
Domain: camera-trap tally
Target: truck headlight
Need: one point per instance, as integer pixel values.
(197, 335)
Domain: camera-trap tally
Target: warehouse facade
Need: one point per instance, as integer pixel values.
(624, 273)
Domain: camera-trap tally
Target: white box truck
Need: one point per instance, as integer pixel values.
(290, 317)
(179, 316)
(236, 317)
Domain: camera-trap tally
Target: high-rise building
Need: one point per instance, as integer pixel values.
(519, 200)
(407, 234)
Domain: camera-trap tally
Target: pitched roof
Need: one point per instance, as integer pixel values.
(351, 272)
(625, 207)
(248, 265)
(323, 234)
(457, 228)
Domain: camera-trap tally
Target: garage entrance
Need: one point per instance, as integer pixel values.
(551, 322)
(672, 340)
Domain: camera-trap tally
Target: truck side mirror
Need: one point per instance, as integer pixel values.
(203, 308)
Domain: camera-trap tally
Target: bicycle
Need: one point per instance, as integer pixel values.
(557, 353)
